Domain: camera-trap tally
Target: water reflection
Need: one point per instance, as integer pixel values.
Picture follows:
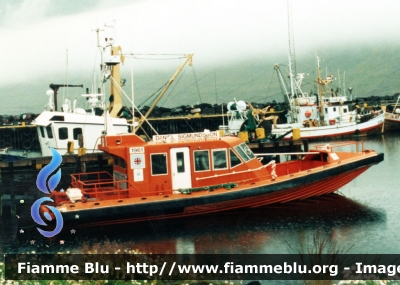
(272, 229)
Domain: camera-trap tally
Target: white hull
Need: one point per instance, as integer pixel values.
(374, 125)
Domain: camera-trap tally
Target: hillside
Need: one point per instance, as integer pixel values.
(370, 71)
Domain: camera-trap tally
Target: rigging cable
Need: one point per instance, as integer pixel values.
(197, 85)
(176, 84)
(269, 87)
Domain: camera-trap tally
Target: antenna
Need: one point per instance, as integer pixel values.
(133, 98)
(292, 52)
(66, 56)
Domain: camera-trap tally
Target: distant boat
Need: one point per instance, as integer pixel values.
(392, 116)
(323, 115)
(181, 175)
(328, 114)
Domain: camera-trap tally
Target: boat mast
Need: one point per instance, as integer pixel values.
(321, 97)
(321, 85)
(292, 53)
(116, 104)
(294, 86)
(111, 57)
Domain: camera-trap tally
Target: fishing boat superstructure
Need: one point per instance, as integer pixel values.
(326, 114)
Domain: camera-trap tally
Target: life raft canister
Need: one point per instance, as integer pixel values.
(308, 113)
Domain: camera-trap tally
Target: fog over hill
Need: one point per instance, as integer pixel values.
(369, 70)
(235, 45)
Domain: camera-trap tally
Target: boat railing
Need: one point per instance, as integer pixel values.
(272, 164)
(98, 183)
(330, 146)
(90, 177)
(101, 183)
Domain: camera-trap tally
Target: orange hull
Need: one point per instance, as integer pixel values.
(220, 183)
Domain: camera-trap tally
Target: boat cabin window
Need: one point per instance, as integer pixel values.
(41, 131)
(201, 160)
(344, 109)
(235, 160)
(180, 162)
(158, 164)
(120, 162)
(326, 110)
(219, 159)
(244, 151)
(76, 132)
(57, 118)
(49, 132)
(63, 133)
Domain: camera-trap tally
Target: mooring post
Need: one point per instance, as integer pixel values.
(12, 204)
(11, 169)
(1, 207)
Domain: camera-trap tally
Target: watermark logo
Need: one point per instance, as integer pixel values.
(46, 182)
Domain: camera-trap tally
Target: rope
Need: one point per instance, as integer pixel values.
(197, 85)
(174, 85)
(148, 98)
(269, 87)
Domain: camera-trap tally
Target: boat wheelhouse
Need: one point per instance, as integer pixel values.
(189, 174)
(58, 129)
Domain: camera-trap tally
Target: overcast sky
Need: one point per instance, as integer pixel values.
(37, 36)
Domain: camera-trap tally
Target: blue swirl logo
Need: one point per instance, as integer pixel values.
(47, 182)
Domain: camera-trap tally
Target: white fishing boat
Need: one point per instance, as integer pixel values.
(326, 114)
(75, 128)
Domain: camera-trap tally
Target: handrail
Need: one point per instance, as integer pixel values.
(271, 163)
(340, 144)
(93, 186)
(284, 153)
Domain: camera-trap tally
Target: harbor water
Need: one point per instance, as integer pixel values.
(360, 218)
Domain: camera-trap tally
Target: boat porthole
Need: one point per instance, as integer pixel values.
(27, 144)
(26, 131)
(7, 132)
(143, 198)
(166, 196)
(96, 204)
(164, 124)
(119, 201)
(183, 124)
(72, 206)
